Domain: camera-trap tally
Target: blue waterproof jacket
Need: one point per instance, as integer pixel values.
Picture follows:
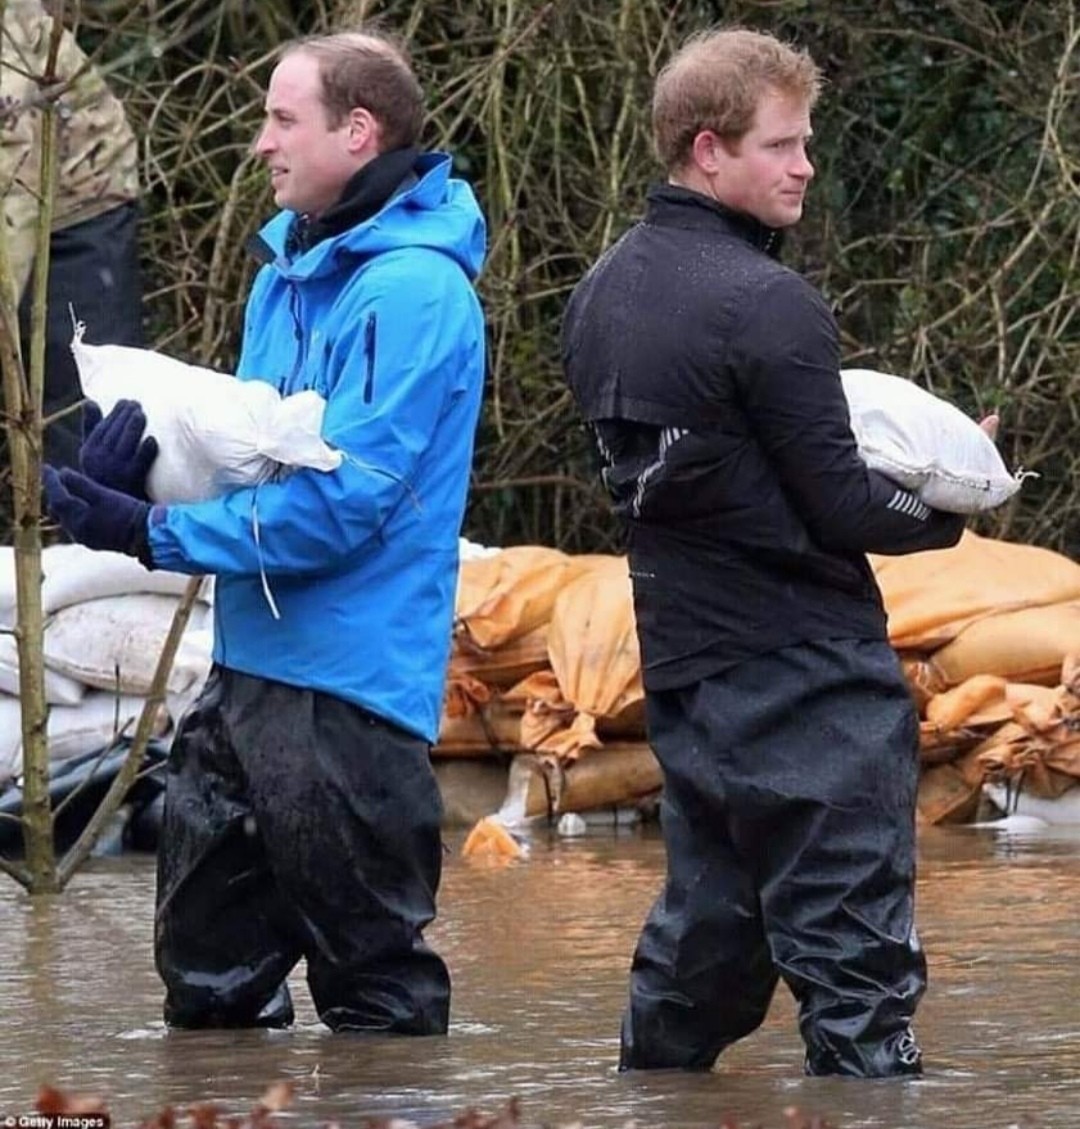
(361, 562)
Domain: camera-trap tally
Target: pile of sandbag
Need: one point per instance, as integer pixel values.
(106, 620)
(545, 667)
(987, 632)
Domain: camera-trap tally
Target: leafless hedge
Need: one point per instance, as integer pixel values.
(945, 220)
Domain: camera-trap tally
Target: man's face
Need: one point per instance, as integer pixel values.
(309, 161)
(766, 173)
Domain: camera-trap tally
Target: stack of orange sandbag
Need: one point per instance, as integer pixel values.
(503, 608)
(546, 671)
(983, 630)
(545, 667)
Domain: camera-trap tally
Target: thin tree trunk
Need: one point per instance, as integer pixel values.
(23, 400)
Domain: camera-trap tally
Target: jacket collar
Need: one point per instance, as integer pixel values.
(670, 205)
(366, 192)
(374, 186)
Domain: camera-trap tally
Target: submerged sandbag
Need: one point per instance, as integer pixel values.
(615, 776)
(945, 796)
(490, 841)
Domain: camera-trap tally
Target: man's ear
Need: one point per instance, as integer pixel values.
(364, 130)
(710, 152)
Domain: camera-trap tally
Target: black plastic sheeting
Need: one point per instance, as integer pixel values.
(136, 824)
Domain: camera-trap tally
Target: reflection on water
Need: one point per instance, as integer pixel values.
(539, 953)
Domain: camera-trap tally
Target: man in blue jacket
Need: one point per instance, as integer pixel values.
(302, 816)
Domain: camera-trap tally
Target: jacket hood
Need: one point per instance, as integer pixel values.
(437, 211)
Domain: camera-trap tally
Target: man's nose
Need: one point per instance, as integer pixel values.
(263, 142)
(803, 166)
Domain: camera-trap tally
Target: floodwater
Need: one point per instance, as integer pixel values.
(539, 951)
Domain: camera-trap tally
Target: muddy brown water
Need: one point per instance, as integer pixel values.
(539, 953)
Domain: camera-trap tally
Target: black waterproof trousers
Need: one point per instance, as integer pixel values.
(298, 825)
(93, 272)
(789, 820)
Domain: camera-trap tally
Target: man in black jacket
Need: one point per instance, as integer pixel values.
(709, 376)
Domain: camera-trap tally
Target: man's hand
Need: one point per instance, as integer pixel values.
(113, 452)
(96, 516)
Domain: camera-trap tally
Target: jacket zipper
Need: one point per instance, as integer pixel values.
(298, 332)
(369, 346)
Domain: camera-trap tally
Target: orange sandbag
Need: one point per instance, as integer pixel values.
(932, 596)
(954, 707)
(491, 727)
(1024, 646)
(489, 840)
(502, 666)
(545, 711)
(612, 777)
(510, 593)
(1042, 746)
(922, 679)
(970, 715)
(595, 663)
(945, 796)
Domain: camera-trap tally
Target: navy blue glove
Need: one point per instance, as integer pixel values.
(96, 516)
(113, 452)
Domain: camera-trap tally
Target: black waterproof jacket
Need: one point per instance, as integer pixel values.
(709, 375)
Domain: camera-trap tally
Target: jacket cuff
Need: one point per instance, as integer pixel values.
(154, 515)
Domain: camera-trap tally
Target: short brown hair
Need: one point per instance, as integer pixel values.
(715, 81)
(369, 69)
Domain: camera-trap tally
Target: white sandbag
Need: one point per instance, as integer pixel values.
(114, 643)
(72, 574)
(7, 587)
(59, 689)
(474, 551)
(1063, 810)
(75, 574)
(926, 444)
(214, 432)
(10, 739)
(96, 722)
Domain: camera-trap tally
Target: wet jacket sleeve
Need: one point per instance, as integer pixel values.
(787, 365)
(391, 376)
